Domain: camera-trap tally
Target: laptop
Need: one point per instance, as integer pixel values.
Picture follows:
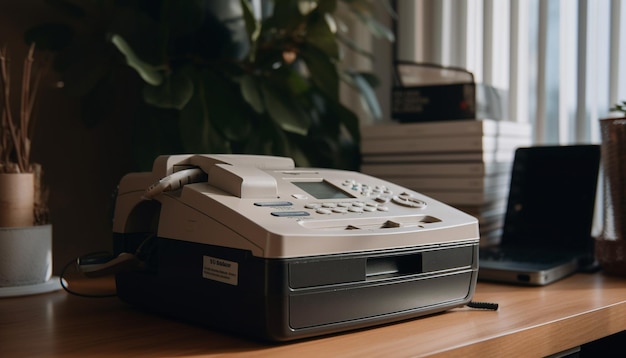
(546, 233)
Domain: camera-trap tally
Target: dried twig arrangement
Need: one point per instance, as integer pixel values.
(16, 128)
(15, 137)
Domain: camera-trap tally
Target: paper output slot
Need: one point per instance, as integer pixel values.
(392, 266)
(370, 223)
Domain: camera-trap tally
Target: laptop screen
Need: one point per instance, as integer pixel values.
(552, 197)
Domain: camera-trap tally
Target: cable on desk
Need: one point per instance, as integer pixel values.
(101, 264)
(483, 305)
(75, 263)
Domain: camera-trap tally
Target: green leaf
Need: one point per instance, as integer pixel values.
(380, 30)
(352, 45)
(148, 73)
(350, 120)
(251, 93)
(230, 115)
(286, 17)
(364, 11)
(319, 35)
(367, 94)
(196, 129)
(174, 92)
(253, 27)
(327, 6)
(269, 140)
(323, 71)
(284, 110)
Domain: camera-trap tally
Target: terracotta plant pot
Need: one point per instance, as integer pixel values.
(17, 196)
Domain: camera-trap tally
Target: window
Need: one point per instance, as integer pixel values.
(559, 59)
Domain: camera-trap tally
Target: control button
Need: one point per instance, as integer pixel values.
(312, 205)
(355, 210)
(369, 208)
(329, 205)
(410, 202)
(290, 213)
(382, 208)
(383, 199)
(340, 210)
(273, 203)
(299, 196)
(323, 211)
(358, 204)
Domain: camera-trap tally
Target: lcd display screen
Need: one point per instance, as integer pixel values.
(322, 190)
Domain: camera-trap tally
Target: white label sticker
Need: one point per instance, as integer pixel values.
(220, 270)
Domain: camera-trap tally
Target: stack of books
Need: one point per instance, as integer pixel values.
(463, 163)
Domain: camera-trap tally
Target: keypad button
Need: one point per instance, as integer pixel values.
(290, 213)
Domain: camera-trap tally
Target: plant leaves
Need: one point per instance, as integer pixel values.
(323, 72)
(284, 110)
(230, 115)
(319, 35)
(367, 94)
(148, 73)
(351, 122)
(253, 27)
(173, 92)
(352, 45)
(196, 127)
(326, 6)
(269, 139)
(285, 16)
(250, 92)
(364, 11)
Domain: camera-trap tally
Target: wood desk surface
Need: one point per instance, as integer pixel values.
(531, 321)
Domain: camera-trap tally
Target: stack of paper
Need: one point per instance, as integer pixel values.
(464, 163)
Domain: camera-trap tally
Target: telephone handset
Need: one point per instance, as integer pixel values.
(239, 175)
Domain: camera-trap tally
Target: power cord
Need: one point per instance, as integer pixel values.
(95, 256)
(483, 305)
(101, 264)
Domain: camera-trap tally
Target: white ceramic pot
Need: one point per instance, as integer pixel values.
(25, 255)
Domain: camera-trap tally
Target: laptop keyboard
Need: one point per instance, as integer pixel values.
(521, 256)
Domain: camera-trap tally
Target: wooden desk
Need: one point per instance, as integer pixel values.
(530, 322)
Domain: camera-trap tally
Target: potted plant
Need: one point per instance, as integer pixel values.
(221, 76)
(610, 247)
(25, 233)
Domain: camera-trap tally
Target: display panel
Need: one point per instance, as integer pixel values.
(322, 190)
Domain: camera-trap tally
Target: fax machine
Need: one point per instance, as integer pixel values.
(255, 246)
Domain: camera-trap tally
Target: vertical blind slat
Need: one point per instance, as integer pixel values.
(559, 59)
